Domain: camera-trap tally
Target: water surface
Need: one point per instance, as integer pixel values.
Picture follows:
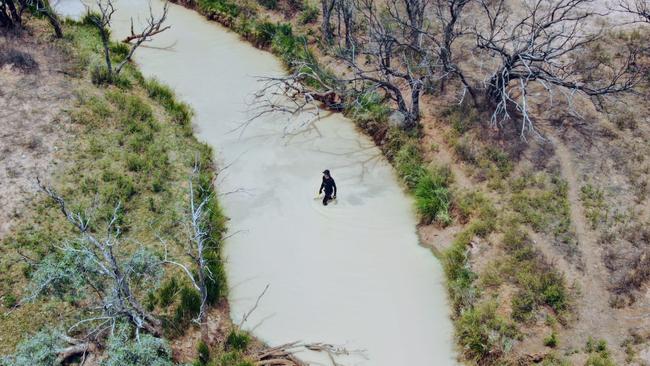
(351, 273)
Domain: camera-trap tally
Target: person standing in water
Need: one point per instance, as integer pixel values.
(329, 186)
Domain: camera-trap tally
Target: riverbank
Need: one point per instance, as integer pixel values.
(343, 312)
(321, 266)
(504, 216)
(427, 181)
(126, 143)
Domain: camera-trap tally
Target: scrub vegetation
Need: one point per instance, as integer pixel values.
(527, 160)
(117, 258)
(506, 187)
(123, 182)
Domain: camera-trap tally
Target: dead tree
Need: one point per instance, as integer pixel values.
(345, 12)
(196, 249)
(448, 14)
(395, 60)
(10, 16)
(415, 11)
(300, 92)
(395, 63)
(540, 48)
(92, 268)
(153, 27)
(102, 21)
(11, 13)
(640, 9)
(326, 26)
(44, 8)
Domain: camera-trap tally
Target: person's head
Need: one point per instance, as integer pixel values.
(326, 173)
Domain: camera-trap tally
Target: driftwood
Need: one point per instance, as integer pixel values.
(280, 356)
(77, 347)
(284, 355)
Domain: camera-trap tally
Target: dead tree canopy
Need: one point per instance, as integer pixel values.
(346, 16)
(539, 47)
(199, 249)
(449, 19)
(92, 268)
(326, 26)
(396, 60)
(395, 56)
(102, 21)
(153, 27)
(640, 9)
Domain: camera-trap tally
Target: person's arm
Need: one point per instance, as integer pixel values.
(334, 184)
(321, 186)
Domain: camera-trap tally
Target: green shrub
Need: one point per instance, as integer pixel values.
(203, 353)
(180, 112)
(269, 4)
(593, 200)
(9, 301)
(121, 189)
(551, 341)
(474, 204)
(523, 304)
(545, 206)
(309, 14)
(410, 164)
(482, 228)
(223, 7)
(369, 106)
(599, 355)
(538, 281)
(594, 345)
(483, 333)
(158, 183)
(119, 50)
(238, 340)
(600, 359)
(555, 292)
(133, 109)
(189, 306)
(99, 76)
(460, 278)
(151, 301)
(167, 292)
(432, 197)
(461, 117)
(90, 18)
(467, 150)
(500, 158)
(263, 33)
(216, 284)
(135, 162)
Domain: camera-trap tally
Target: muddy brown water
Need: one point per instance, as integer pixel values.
(350, 274)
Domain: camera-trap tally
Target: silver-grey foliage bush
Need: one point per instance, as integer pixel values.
(41, 349)
(122, 350)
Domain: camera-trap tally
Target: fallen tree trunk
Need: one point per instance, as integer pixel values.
(77, 347)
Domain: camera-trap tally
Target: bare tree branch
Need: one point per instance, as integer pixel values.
(537, 47)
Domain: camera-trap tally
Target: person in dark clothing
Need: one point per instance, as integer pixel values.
(329, 186)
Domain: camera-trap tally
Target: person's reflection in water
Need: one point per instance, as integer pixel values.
(329, 186)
